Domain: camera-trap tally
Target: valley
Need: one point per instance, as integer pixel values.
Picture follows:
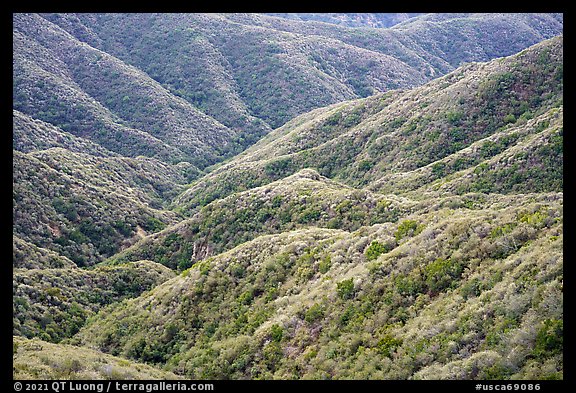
(288, 196)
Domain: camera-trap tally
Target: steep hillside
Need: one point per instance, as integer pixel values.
(26, 255)
(447, 284)
(54, 303)
(534, 163)
(242, 69)
(38, 360)
(91, 94)
(462, 37)
(449, 290)
(433, 44)
(381, 221)
(365, 142)
(29, 134)
(351, 19)
(256, 71)
(76, 198)
(85, 207)
(301, 200)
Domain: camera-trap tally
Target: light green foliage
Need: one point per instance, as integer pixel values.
(325, 264)
(375, 249)
(502, 230)
(407, 228)
(314, 313)
(387, 344)
(38, 360)
(345, 289)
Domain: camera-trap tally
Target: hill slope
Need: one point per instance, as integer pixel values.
(416, 233)
(456, 285)
(351, 19)
(91, 94)
(462, 287)
(38, 360)
(85, 207)
(54, 303)
(301, 200)
(242, 69)
(365, 142)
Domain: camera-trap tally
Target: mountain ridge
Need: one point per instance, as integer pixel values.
(365, 126)
(244, 196)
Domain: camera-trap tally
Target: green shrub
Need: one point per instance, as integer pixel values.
(366, 165)
(407, 228)
(276, 333)
(441, 273)
(152, 224)
(408, 285)
(246, 297)
(453, 117)
(325, 264)
(375, 249)
(502, 230)
(272, 354)
(351, 120)
(276, 201)
(497, 372)
(309, 215)
(510, 118)
(314, 313)
(345, 289)
(438, 169)
(388, 344)
(549, 339)
(471, 288)
(334, 119)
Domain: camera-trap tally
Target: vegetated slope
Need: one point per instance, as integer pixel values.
(243, 69)
(92, 94)
(459, 286)
(82, 201)
(172, 53)
(463, 38)
(534, 162)
(29, 134)
(300, 200)
(85, 207)
(465, 287)
(434, 44)
(54, 303)
(39, 360)
(26, 255)
(302, 265)
(254, 71)
(365, 142)
(75, 203)
(352, 19)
